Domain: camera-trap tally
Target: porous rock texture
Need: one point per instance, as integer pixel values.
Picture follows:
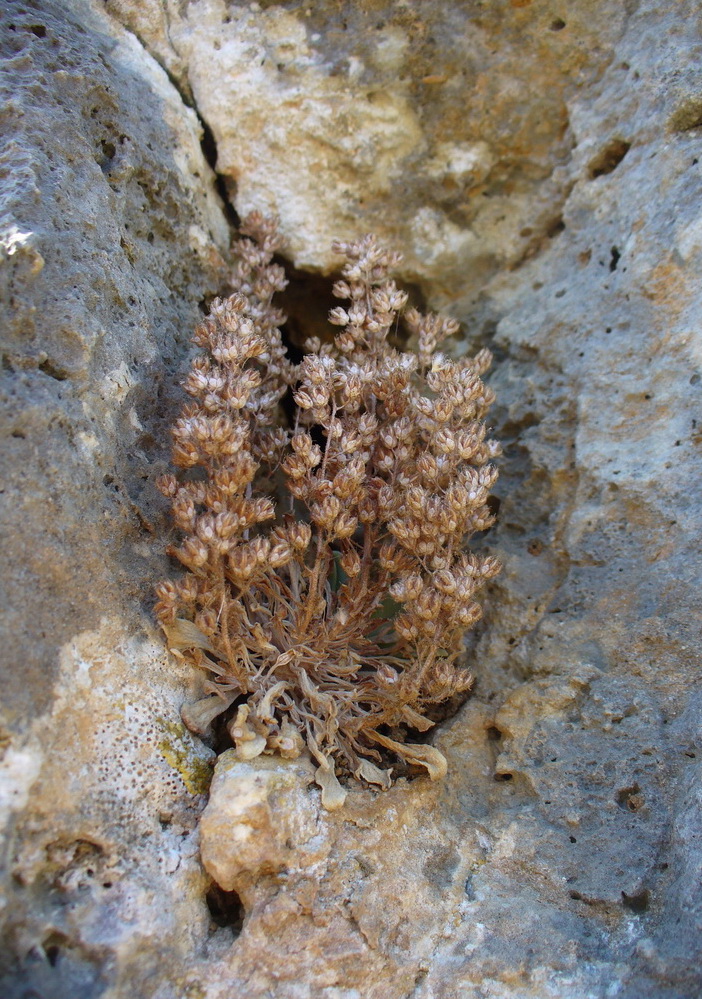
(538, 164)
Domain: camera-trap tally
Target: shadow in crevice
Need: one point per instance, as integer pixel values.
(225, 908)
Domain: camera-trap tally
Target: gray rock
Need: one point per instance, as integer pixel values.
(539, 167)
(112, 233)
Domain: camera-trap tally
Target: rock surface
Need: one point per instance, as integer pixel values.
(407, 119)
(111, 233)
(538, 165)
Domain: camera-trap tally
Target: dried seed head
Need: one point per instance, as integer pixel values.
(444, 581)
(344, 526)
(193, 553)
(325, 513)
(408, 587)
(299, 535)
(280, 555)
(469, 615)
(242, 562)
(407, 627)
(351, 562)
(387, 675)
(167, 484)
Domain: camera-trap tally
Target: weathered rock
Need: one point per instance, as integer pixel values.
(411, 120)
(549, 188)
(337, 902)
(111, 234)
(259, 819)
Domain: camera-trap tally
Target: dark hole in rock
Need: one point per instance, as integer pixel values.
(609, 158)
(637, 902)
(306, 302)
(555, 227)
(48, 367)
(493, 733)
(53, 946)
(614, 259)
(557, 24)
(630, 798)
(503, 776)
(225, 908)
(221, 740)
(37, 29)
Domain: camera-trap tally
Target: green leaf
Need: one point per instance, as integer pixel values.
(337, 576)
(388, 609)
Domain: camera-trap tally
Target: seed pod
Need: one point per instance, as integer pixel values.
(350, 562)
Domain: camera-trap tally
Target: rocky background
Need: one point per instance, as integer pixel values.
(538, 164)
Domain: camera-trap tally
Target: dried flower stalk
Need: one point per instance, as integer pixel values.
(335, 616)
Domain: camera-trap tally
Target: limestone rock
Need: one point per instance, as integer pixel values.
(410, 120)
(111, 232)
(259, 819)
(540, 169)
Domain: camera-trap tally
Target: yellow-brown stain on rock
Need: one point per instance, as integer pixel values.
(669, 287)
(195, 773)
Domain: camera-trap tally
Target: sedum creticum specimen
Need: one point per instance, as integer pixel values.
(328, 588)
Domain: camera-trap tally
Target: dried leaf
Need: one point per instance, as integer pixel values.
(199, 716)
(321, 702)
(252, 748)
(427, 756)
(249, 743)
(263, 708)
(416, 720)
(374, 775)
(424, 756)
(288, 742)
(333, 794)
(184, 634)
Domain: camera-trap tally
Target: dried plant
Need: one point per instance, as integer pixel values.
(336, 615)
